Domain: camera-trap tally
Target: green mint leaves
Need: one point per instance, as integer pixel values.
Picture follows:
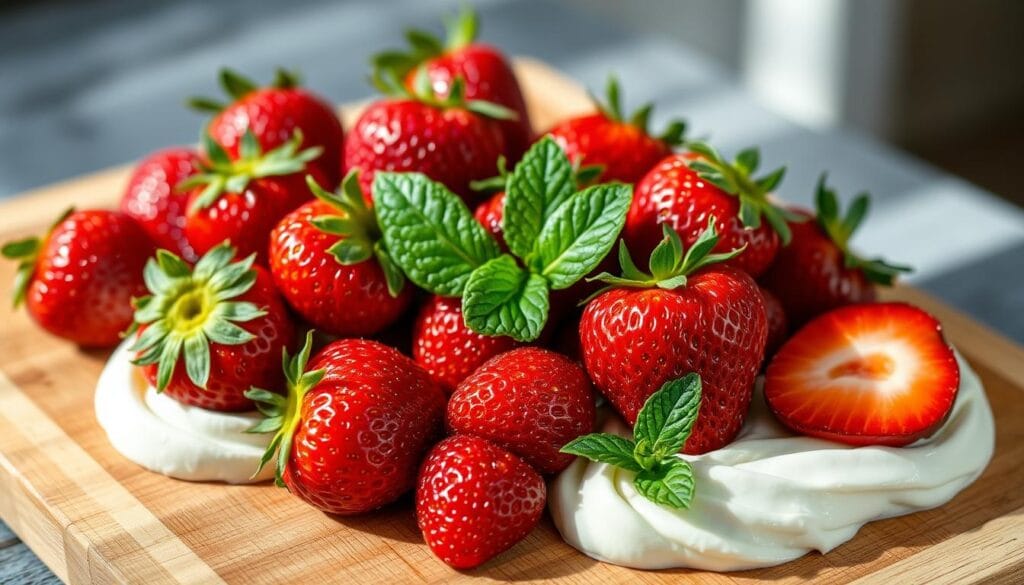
(556, 236)
(661, 430)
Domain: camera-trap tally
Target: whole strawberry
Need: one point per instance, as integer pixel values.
(153, 200)
(274, 114)
(327, 260)
(209, 333)
(474, 500)
(691, 313)
(354, 426)
(818, 271)
(242, 199)
(485, 71)
(78, 281)
(684, 190)
(624, 148)
(530, 401)
(453, 140)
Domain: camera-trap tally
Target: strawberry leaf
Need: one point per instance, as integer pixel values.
(541, 182)
(605, 448)
(666, 419)
(668, 484)
(503, 299)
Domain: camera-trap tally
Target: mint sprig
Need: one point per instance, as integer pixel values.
(556, 235)
(661, 429)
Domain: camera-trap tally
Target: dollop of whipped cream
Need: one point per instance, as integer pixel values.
(770, 496)
(175, 439)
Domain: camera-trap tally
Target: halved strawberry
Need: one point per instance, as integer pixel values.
(869, 374)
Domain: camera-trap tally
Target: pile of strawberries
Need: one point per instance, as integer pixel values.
(492, 326)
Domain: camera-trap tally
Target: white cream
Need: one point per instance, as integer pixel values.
(771, 497)
(165, 436)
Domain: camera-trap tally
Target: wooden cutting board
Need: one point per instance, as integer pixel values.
(94, 517)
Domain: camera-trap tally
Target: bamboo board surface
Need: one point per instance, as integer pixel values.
(94, 517)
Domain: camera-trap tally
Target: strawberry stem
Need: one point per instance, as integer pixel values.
(611, 108)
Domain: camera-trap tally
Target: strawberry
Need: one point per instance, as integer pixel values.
(817, 271)
(867, 374)
(354, 426)
(78, 281)
(207, 334)
(691, 313)
(242, 199)
(486, 73)
(684, 190)
(446, 348)
(623, 148)
(153, 200)
(474, 500)
(778, 323)
(274, 114)
(327, 260)
(453, 140)
(530, 401)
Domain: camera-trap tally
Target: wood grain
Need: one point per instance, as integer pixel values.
(94, 517)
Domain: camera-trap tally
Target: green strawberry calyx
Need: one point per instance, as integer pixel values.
(283, 413)
(222, 175)
(423, 91)
(237, 86)
(189, 309)
(670, 264)
(611, 108)
(26, 253)
(735, 178)
(356, 226)
(461, 31)
(840, 228)
(662, 428)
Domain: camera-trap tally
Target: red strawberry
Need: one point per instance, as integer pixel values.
(684, 190)
(354, 426)
(242, 199)
(475, 500)
(275, 114)
(817, 271)
(690, 314)
(153, 200)
(447, 348)
(207, 334)
(778, 324)
(623, 148)
(78, 281)
(487, 74)
(871, 374)
(452, 141)
(328, 261)
(490, 214)
(530, 401)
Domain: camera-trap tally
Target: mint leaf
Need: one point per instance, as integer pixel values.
(429, 232)
(606, 448)
(666, 419)
(542, 181)
(670, 483)
(501, 298)
(580, 233)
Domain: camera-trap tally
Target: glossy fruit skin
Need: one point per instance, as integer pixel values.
(452, 146)
(87, 272)
(672, 192)
(625, 151)
(778, 323)
(364, 428)
(151, 198)
(245, 218)
(635, 340)
(474, 500)
(491, 215)
(808, 404)
(234, 369)
(488, 76)
(809, 276)
(447, 349)
(274, 114)
(343, 300)
(531, 401)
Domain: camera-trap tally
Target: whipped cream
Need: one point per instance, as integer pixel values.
(771, 497)
(175, 439)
